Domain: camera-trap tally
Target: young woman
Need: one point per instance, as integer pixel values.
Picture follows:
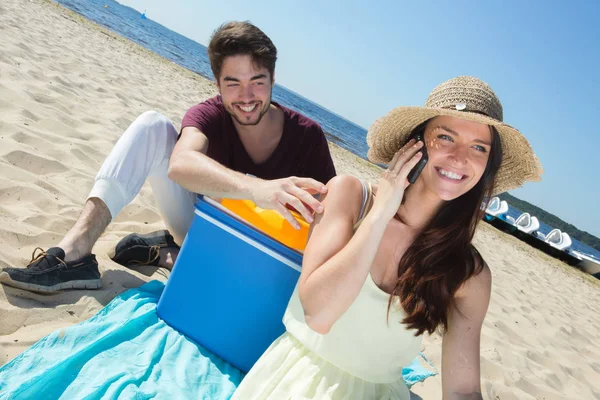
(381, 269)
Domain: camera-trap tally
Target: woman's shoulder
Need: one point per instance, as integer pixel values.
(345, 183)
(345, 194)
(345, 187)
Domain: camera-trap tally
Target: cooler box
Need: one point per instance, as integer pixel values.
(230, 285)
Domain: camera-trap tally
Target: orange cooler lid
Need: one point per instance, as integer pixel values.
(270, 222)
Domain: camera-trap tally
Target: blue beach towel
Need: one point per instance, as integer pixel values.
(126, 352)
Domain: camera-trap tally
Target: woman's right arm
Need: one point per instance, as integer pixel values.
(336, 261)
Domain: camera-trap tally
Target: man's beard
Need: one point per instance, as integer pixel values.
(263, 111)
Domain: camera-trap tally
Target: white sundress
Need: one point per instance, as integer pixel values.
(360, 358)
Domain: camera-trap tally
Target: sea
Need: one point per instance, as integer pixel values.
(141, 29)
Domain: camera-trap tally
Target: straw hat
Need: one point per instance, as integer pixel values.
(467, 98)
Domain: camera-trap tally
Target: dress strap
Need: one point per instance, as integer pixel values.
(367, 202)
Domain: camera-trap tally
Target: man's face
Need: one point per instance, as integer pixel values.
(245, 89)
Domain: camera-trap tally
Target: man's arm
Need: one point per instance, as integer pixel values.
(194, 170)
(191, 168)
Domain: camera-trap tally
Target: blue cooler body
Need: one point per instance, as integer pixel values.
(230, 286)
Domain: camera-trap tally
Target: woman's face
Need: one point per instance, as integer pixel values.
(458, 153)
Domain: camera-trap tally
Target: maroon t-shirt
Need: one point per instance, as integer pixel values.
(302, 150)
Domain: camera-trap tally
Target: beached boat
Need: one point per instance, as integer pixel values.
(526, 227)
(587, 263)
(556, 243)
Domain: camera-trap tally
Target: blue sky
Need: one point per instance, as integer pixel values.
(361, 59)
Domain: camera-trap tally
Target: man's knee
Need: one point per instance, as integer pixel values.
(153, 118)
(153, 124)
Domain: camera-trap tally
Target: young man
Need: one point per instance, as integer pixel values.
(238, 145)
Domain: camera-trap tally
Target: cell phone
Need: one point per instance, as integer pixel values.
(416, 171)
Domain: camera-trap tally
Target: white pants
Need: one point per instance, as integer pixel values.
(143, 152)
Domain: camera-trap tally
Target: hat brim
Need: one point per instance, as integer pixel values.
(519, 162)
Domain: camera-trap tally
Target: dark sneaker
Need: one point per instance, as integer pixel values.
(48, 272)
(142, 249)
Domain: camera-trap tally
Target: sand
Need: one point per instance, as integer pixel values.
(69, 88)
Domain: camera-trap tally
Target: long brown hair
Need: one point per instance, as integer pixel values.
(442, 258)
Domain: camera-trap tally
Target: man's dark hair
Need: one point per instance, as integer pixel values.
(241, 38)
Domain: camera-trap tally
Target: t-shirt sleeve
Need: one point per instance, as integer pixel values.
(319, 164)
(205, 116)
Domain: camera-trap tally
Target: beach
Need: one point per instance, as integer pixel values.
(69, 88)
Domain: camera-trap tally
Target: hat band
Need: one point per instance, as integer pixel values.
(464, 107)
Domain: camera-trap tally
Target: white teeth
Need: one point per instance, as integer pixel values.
(248, 108)
(451, 175)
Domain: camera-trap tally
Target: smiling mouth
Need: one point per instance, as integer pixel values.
(449, 175)
(247, 108)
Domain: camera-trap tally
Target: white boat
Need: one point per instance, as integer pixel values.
(558, 239)
(496, 207)
(587, 264)
(526, 223)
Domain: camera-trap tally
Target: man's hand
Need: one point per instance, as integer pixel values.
(293, 191)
